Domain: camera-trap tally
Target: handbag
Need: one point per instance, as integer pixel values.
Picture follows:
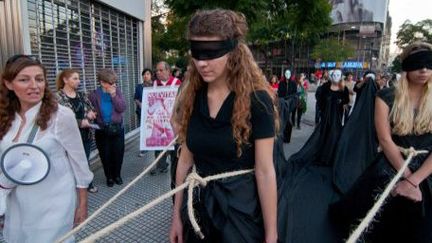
(112, 129)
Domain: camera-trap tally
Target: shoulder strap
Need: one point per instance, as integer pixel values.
(33, 132)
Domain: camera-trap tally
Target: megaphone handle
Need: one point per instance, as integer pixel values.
(33, 132)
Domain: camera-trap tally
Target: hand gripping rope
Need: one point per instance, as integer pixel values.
(410, 153)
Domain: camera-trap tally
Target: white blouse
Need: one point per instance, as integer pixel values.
(43, 212)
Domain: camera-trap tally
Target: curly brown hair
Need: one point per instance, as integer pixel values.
(9, 102)
(244, 75)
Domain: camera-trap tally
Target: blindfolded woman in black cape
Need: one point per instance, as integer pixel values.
(403, 117)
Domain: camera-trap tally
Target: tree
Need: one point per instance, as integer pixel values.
(299, 21)
(158, 30)
(409, 32)
(332, 50)
(396, 66)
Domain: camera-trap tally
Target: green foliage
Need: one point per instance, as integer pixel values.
(332, 50)
(158, 30)
(409, 32)
(396, 66)
(269, 21)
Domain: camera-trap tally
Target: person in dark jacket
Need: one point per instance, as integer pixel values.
(109, 105)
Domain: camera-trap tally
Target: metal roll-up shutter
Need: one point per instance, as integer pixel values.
(87, 36)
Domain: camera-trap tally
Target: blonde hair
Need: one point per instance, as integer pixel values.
(244, 75)
(402, 114)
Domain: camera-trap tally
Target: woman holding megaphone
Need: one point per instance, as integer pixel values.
(46, 209)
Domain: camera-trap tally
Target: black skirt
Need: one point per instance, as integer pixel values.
(227, 210)
(399, 220)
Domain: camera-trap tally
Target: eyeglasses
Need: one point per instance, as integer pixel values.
(108, 83)
(14, 58)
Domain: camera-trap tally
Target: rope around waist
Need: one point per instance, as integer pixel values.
(192, 180)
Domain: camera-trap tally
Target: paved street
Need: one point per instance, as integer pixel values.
(153, 226)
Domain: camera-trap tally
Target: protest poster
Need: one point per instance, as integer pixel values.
(156, 131)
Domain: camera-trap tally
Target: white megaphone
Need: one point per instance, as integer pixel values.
(21, 164)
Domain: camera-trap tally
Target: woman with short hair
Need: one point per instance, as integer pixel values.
(109, 105)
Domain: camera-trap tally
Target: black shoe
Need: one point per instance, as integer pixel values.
(164, 170)
(110, 182)
(118, 181)
(153, 172)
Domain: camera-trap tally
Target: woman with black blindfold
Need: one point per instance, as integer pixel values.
(226, 123)
(403, 117)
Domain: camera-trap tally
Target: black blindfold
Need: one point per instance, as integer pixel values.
(207, 50)
(418, 60)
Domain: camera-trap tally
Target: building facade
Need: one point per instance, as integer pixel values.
(86, 35)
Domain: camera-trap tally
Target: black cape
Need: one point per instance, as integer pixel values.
(278, 150)
(357, 146)
(306, 188)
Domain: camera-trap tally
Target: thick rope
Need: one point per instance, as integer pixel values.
(410, 153)
(193, 180)
(98, 211)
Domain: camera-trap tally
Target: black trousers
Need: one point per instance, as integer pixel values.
(111, 151)
(162, 164)
(299, 113)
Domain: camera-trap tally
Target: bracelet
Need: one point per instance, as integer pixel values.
(410, 182)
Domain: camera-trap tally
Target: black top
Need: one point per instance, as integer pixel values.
(287, 88)
(77, 107)
(326, 94)
(387, 95)
(211, 139)
(228, 209)
(417, 141)
(79, 110)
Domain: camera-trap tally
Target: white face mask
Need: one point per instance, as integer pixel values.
(287, 74)
(335, 75)
(370, 75)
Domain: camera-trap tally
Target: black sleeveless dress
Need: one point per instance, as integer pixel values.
(400, 219)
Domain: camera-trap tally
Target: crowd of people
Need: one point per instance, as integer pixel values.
(229, 117)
